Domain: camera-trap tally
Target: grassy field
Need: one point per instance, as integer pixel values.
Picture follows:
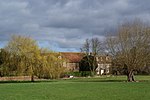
(100, 88)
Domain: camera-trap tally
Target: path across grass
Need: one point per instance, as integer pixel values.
(103, 88)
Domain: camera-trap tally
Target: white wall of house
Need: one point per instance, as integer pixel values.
(103, 68)
(102, 71)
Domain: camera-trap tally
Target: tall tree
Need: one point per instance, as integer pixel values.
(25, 54)
(130, 47)
(91, 48)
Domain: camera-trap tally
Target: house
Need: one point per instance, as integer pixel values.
(104, 64)
(72, 60)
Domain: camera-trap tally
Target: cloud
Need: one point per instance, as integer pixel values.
(65, 24)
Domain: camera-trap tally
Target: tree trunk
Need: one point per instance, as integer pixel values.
(130, 76)
(32, 78)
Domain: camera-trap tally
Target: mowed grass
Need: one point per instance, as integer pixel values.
(100, 88)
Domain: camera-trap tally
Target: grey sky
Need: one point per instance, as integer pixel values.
(63, 25)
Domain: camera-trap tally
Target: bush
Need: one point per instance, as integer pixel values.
(77, 74)
(86, 73)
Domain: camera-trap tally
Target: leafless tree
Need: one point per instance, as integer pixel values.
(130, 47)
(91, 48)
(86, 46)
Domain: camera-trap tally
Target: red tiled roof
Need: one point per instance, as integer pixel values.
(72, 56)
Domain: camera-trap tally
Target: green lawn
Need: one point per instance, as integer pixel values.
(101, 88)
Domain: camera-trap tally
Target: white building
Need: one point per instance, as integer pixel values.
(104, 64)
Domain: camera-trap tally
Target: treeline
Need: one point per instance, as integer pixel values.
(22, 56)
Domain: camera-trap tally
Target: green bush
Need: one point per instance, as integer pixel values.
(77, 74)
(86, 73)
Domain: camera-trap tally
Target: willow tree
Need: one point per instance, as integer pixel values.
(25, 55)
(5, 63)
(54, 68)
(130, 47)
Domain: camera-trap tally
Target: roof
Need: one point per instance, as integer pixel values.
(73, 57)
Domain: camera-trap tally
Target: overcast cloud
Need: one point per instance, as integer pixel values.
(63, 25)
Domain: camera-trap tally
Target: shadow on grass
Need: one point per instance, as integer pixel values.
(2, 82)
(71, 80)
(99, 81)
(107, 81)
(43, 81)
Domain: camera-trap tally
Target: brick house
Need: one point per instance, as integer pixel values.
(72, 60)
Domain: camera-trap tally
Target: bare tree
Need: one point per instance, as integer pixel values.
(91, 48)
(130, 47)
(86, 46)
(96, 46)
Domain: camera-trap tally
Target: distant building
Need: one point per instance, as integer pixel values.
(104, 64)
(72, 60)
